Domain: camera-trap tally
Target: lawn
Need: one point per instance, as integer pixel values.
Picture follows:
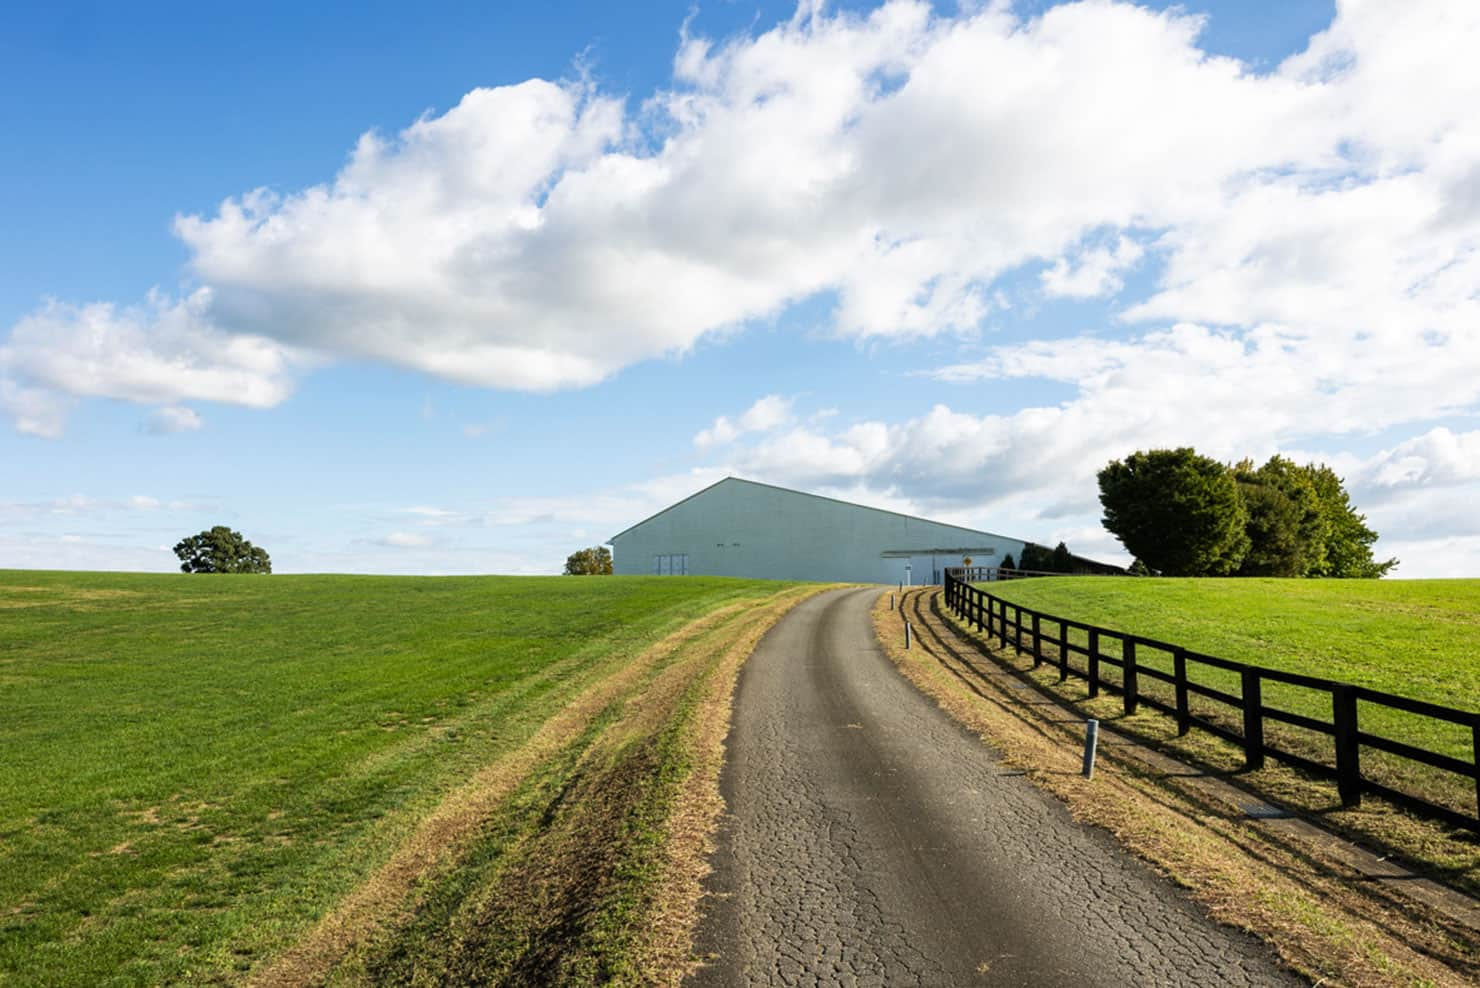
(197, 768)
(1414, 638)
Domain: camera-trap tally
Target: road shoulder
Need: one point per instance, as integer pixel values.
(1323, 916)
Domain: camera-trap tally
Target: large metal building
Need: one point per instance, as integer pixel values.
(742, 528)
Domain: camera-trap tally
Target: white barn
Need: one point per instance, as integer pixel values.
(742, 528)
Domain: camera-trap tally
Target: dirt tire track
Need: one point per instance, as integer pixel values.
(389, 893)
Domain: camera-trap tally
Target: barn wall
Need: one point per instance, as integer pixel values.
(738, 528)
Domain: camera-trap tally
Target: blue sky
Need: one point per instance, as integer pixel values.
(947, 260)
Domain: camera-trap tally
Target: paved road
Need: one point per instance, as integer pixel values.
(872, 841)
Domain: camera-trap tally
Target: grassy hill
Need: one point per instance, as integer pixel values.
(1419, 638)
(1414, 638)
(198, 768)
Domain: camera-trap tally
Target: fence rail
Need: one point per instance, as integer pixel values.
(1032, 630)
(988, 574)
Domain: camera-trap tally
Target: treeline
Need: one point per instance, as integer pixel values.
(1181, 514)
(1042, 560)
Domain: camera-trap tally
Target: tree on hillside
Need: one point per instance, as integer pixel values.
(1273, 527)
(220, 550)
(1348, 539)
(1295, 482)
(595, 561)
(1287, 532)
(1036, 558)
(1179, 512)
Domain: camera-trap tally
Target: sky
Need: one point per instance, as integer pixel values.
(465, 288)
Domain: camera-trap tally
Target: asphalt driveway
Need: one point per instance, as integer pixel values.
(870, 840)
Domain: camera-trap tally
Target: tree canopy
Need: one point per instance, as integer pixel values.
(1182, 514)
(220, 550)
(595, 561)
(1178, 512)
(1039, 559)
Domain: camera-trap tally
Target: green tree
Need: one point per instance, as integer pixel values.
(1062, 560)
(595, 561)
(1008, 563)
(1036, 558)
(1275, 544)
(1348, 539)
(1287, 530)
(1179, 512)
(220, 550)
(1139, 568)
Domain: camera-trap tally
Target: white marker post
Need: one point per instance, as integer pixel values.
(1091, 741)
(906, 634)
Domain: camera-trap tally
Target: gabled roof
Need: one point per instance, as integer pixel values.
(788, 490)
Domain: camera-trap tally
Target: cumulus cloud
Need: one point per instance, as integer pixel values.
(766, 414)
(1438, 458)
(546, 234)
(161, 352)
(1309, 236)
(1093, 272)
(35, 411)
(173, 418)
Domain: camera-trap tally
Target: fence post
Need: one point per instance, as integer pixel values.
(1017, 629)
(1253, 720)
(1128, 679)
(1475, 730)
(1348, 751)
(1093, 659)
(1063, 659)
(1179, 673)
(977, 600)
(1037, 643)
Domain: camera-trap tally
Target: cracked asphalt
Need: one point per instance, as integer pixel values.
(870, 840)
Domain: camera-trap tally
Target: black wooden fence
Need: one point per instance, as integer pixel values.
(1030, 630)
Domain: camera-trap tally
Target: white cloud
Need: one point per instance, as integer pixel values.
(173, 418)
(162, 352)
(1093, 272)
(35, 411)
(1313, 232)
(1438, 458)
(545, 235)
(405, 540)
(770, 412)
(75, 505)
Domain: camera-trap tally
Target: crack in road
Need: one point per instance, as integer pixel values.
(870, 840)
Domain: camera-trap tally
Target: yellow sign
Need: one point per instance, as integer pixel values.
(966, 561)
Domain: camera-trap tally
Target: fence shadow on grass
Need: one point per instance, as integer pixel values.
(1267, 712)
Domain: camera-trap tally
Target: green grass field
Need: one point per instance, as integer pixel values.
(1414, 638)
(197, 767)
